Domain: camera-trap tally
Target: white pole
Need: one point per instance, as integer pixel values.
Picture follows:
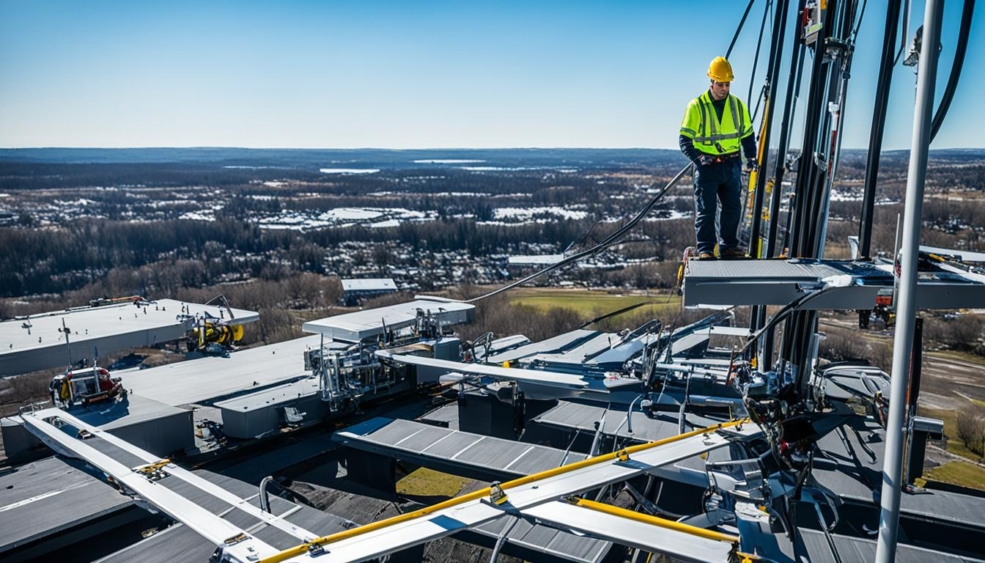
(906, 310)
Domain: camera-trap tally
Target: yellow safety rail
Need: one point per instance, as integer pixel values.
(654, 520)
(346, 534)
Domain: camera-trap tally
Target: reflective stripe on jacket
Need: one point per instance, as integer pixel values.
(711, 136)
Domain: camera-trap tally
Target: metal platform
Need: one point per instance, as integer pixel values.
(356, 327)
(39, 342)
(779, 282)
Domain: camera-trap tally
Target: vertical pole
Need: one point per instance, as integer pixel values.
(906, 312)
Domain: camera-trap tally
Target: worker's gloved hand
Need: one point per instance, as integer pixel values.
(751, 165)
(705, 160)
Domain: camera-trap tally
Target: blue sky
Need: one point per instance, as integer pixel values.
(408, 74)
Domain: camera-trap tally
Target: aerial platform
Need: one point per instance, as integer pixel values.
(850, 285)
(57, 339)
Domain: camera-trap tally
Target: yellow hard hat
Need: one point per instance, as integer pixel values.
(720, 70)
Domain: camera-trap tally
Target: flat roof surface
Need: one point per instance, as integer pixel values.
(47, 496)
(130, 410)
(213, 377)
(267, 398)
(39, 341)
(863, 482)
(356, 327)
(535, 259)
(369, 284)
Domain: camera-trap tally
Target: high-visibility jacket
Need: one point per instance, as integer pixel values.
(715, 137)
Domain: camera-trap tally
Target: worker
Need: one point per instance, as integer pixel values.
(716, 125)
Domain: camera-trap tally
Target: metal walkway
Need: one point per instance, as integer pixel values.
(210, 510)
(779, 282)
(535, 493)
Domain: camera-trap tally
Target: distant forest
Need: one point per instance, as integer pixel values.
(129, 237)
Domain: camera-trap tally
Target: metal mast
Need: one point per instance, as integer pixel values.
(903, 340)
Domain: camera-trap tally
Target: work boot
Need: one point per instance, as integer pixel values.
(734, 252)
(706, 256)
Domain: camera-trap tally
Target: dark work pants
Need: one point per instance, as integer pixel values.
(714, 183)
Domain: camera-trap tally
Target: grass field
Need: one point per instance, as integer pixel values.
(428, 483)
(958, 473)
(589, 304)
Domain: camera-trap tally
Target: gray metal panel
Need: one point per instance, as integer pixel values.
(493, 453)
(543, 538)
(569, 415)
(446, 446)
(396, 431)
(180, 543)
(108, 328)
(355, 327)
(778, 282)
(452, 446)
(555, 344)
(860, 550)
(253, 414)
(426, 437)
(47, 496)
(126, 458)
(578, 354)
(446, 414)
(540, 459)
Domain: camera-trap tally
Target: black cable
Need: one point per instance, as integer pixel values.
(952, 81)
(776, 57)
(876, 131)
(608, 241)
(787, 309)
(739, 29)
(755, 58)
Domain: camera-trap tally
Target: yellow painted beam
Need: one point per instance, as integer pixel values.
(346, 534)
(654, 520)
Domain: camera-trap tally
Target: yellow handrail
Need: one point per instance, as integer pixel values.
(346, 534)
(654, 520)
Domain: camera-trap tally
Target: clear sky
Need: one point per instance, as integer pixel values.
(409, 73)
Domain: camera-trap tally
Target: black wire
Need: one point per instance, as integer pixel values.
(858, 24)
(755, 59)
(608, 241)
(952, 81)
(784, 312)
(739, 29)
